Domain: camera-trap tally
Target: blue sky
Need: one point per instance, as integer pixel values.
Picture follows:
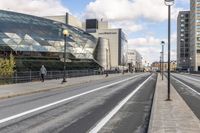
(154, 31)
(144, 21)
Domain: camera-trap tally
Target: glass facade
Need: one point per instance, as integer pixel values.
(27, 35)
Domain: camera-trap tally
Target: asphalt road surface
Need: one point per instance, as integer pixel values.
(188, 86)
(120, 104)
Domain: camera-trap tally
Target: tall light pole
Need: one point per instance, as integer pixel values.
(163, 44)
(65, 33)
(190, 63)
(160, 62)
(169, 3)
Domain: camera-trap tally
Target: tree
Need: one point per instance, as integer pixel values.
(7, 66)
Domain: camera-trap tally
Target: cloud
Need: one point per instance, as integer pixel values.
(150, 47)
(118, 10)
(34, 7)
(128, 26)
(144, 42)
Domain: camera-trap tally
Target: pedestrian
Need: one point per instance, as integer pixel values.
(43, 72)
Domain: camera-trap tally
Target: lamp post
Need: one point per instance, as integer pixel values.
(163, 44)
(169, 3)
(160, 61)
(190, 64)
(65, 33)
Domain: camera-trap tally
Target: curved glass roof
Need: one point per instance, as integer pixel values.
(23, 32)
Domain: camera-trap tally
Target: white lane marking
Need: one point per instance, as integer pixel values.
(188, 77)
(103, 121)
(186, 86)
(61, 101)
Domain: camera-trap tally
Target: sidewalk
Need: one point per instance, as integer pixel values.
(171, 116)
(12, 90)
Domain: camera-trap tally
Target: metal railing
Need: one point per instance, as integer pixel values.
(31, 76)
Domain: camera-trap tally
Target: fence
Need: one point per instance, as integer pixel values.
(29, 76)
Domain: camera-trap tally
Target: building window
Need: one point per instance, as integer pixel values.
(198, 38)
(198, 26)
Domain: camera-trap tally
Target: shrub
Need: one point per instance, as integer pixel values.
(7, 66)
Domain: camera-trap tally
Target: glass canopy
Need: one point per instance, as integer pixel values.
(21, 32)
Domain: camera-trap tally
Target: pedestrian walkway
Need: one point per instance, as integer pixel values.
(12, 90)
(171, 116)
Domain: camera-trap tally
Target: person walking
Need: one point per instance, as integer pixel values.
(43, 72)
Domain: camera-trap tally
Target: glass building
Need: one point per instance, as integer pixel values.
(35, 41)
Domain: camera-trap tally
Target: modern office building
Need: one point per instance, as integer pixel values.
(117, 41)
(183, 40)
(195, 34)
(35, 41)
(102, 53)
(134, 60)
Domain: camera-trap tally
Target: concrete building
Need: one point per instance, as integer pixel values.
(102, 53)
(67, 19)
(183, 40)
(195, 34)
(117, 41)
(134, 60)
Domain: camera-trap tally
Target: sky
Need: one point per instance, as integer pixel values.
(143, 21)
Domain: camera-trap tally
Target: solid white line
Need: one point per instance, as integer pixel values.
(186, 86)
(103, 121)
(61, 101)
(189, 78)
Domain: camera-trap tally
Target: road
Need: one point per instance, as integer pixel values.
(113, 105)
(188, 86)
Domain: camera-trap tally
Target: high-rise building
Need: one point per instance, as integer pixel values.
(183, 40)
(195, 34)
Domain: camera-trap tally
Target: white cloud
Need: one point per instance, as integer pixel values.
(150, 47)
(128, 26)
(34, 7)
(154, 10)
(144, 42)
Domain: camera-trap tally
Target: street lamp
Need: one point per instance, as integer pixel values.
(65, 33)
(169, 3)
(190, 64)
(160, 61)
(163, 44)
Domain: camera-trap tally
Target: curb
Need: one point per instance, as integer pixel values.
(53, 88)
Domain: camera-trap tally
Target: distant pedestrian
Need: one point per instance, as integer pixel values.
(43, 72)
(106, 73)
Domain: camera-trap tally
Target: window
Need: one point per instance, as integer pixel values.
(198, 26)
(198, 8)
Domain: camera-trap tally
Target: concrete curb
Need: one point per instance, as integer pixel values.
(174, 116)
(59, 87)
